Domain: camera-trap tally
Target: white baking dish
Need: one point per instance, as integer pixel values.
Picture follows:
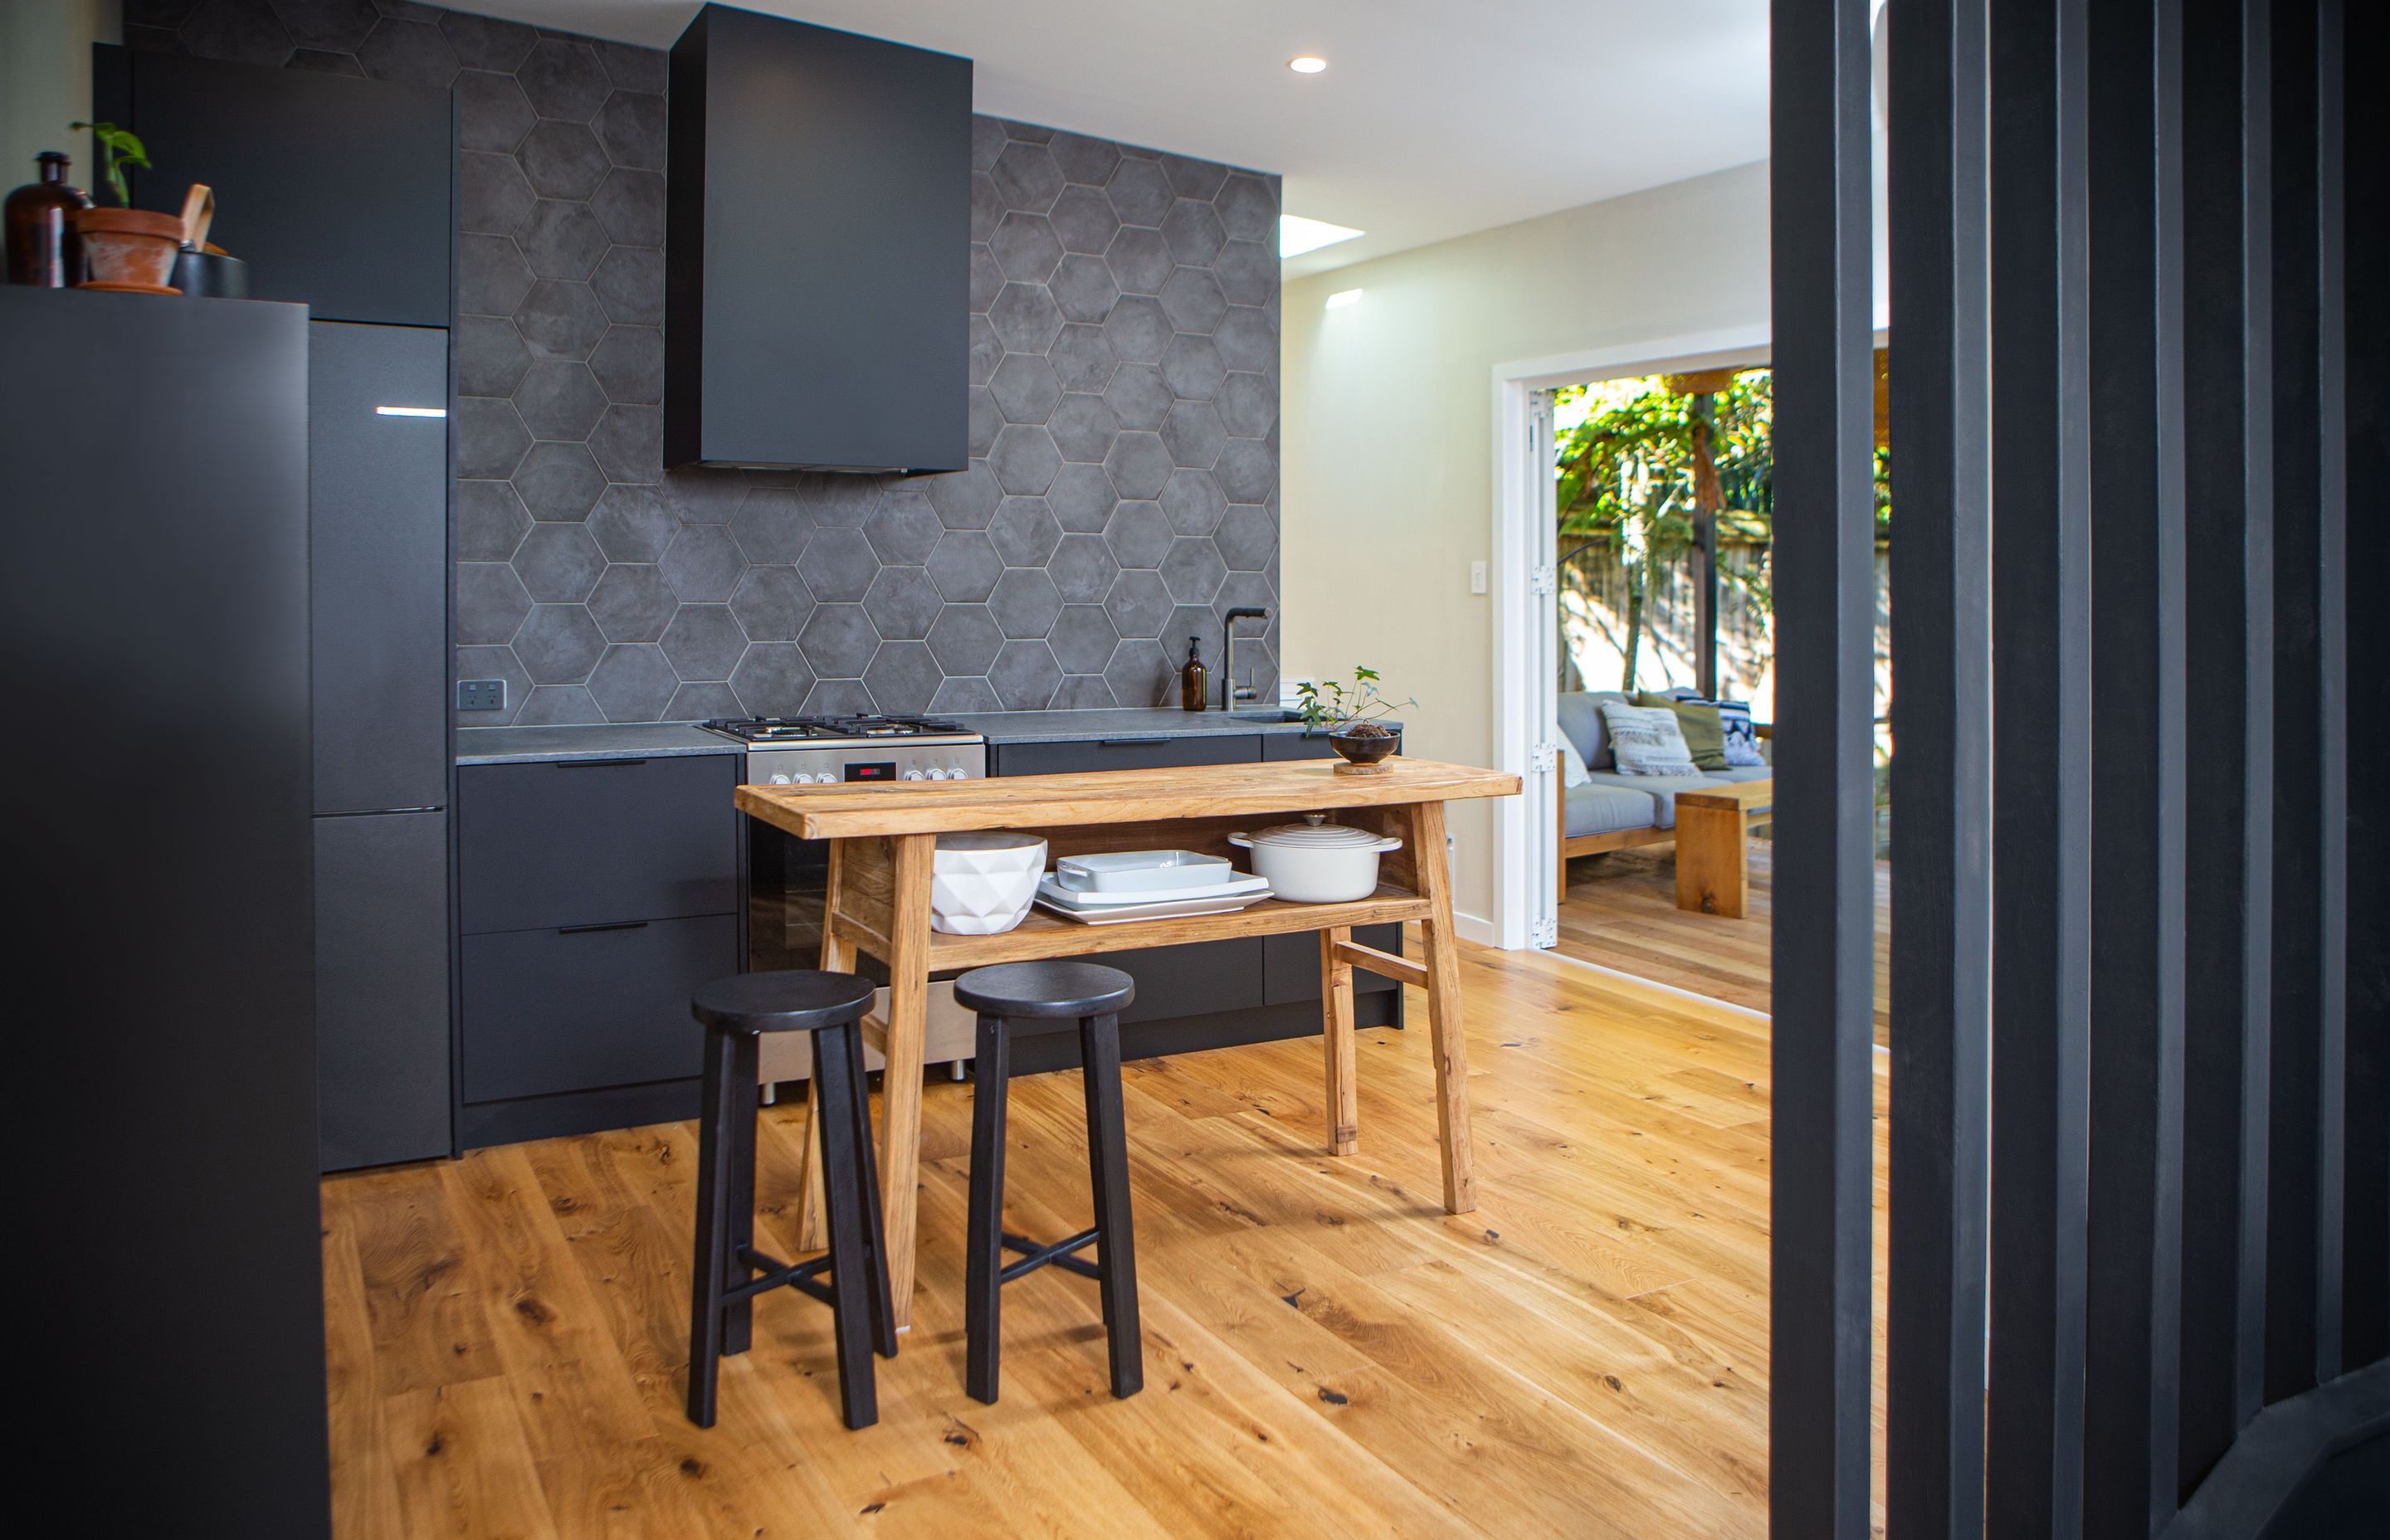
(1141, 870)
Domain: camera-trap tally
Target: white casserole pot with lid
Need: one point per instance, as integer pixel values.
(1318, 861)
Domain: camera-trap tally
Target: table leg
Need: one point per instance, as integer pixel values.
(1336, 1024)
(908, 1009)
(1445, 1039)
(1710, 875)
(837, 956)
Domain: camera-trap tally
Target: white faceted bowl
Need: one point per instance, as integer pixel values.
(983, 883)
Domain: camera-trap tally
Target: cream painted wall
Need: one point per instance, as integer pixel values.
(1387, 456)
(46, 81)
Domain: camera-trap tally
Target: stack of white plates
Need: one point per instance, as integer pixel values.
(1115, 906)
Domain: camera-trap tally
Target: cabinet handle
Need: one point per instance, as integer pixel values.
(617, 924)
(588, 763)
(1131, 742)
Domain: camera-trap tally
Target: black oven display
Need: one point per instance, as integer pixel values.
(883, 770)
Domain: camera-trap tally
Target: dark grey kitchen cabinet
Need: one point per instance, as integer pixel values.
(381, 988)
(817, 264)
(1126, 752)
(595, 895)
(592, 841)
(587, 1007)
(378, 515)
(335, 191)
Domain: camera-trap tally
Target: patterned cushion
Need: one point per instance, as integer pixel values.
(1697, 720)
(1741, 738)
(1646, 740)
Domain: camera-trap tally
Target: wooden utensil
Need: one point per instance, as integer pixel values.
(199, 212)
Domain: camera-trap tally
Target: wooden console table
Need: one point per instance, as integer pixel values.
(1712, 874)
(882, 838)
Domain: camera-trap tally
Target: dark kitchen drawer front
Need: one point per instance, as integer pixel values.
(1291, 964)
(381, 989)
(1191, 981)
(1123, 754)
(553, 1010)
(588, 841)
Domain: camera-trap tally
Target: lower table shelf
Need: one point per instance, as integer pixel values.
(1044, 935)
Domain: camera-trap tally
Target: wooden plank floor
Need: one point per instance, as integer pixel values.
(1620, 911)
(1327, 1353)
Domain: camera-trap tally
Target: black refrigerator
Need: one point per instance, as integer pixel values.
(153, 489)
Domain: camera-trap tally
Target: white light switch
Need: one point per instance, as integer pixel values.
(1477, 577)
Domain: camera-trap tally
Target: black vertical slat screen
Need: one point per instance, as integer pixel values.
(2365, 1256)
(2134, 1251)
(1823, 927)
(2041, 766)
(2141, 355)
(2135, 1184)
(2303, 1219)
(2229, 703)
(1941, 880)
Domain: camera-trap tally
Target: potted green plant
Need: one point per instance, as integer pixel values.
(1350, 718)
(125, 248)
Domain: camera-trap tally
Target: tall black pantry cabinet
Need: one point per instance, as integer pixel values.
(162, 1085)
(377, 495)
(339, 194)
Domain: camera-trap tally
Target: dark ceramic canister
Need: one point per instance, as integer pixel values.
(43, 248)
(208, 273)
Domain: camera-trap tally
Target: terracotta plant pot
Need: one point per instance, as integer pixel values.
(129, 248)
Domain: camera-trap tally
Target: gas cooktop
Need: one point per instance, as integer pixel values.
(830, 731)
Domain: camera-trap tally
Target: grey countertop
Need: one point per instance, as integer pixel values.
(629, 740)
(653, 739)
(1148, 721)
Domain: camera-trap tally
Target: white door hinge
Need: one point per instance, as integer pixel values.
(1544, 935)
(1544, 757)
(1539, 577)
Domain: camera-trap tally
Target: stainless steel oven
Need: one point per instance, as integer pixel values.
(788, 878)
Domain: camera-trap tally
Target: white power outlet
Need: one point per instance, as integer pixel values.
(1477, 583)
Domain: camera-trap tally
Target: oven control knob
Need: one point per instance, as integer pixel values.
(913, 775)
(937, 775)
(780, 780)
(957, 773)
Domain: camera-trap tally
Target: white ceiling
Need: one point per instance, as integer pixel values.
(1435, 117)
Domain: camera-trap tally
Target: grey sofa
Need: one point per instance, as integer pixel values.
(1613, 811)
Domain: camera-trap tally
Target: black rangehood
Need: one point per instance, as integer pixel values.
(816, 261)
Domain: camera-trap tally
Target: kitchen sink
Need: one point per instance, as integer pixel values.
(1268, 716)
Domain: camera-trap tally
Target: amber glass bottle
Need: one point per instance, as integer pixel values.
(1193, 679)
(43, 248)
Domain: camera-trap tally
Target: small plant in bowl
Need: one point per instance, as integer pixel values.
(1352, 717)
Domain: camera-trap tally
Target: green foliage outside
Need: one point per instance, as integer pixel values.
(1637, 463)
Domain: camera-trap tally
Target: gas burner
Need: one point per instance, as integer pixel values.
(816, 731)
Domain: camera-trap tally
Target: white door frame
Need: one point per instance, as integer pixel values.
(1526, 705)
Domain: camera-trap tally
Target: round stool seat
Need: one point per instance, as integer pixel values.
(794, 1000)
(1054, 989)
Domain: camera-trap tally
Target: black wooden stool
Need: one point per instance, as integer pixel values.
(1050, 996)
(735, 1011)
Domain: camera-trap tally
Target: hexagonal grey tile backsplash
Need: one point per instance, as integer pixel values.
(1122, 490)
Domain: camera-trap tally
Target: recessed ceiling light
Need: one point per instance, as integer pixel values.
(1297, 235)
(1307, 64)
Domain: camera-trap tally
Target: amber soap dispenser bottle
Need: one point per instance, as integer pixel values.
(1193, 679)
